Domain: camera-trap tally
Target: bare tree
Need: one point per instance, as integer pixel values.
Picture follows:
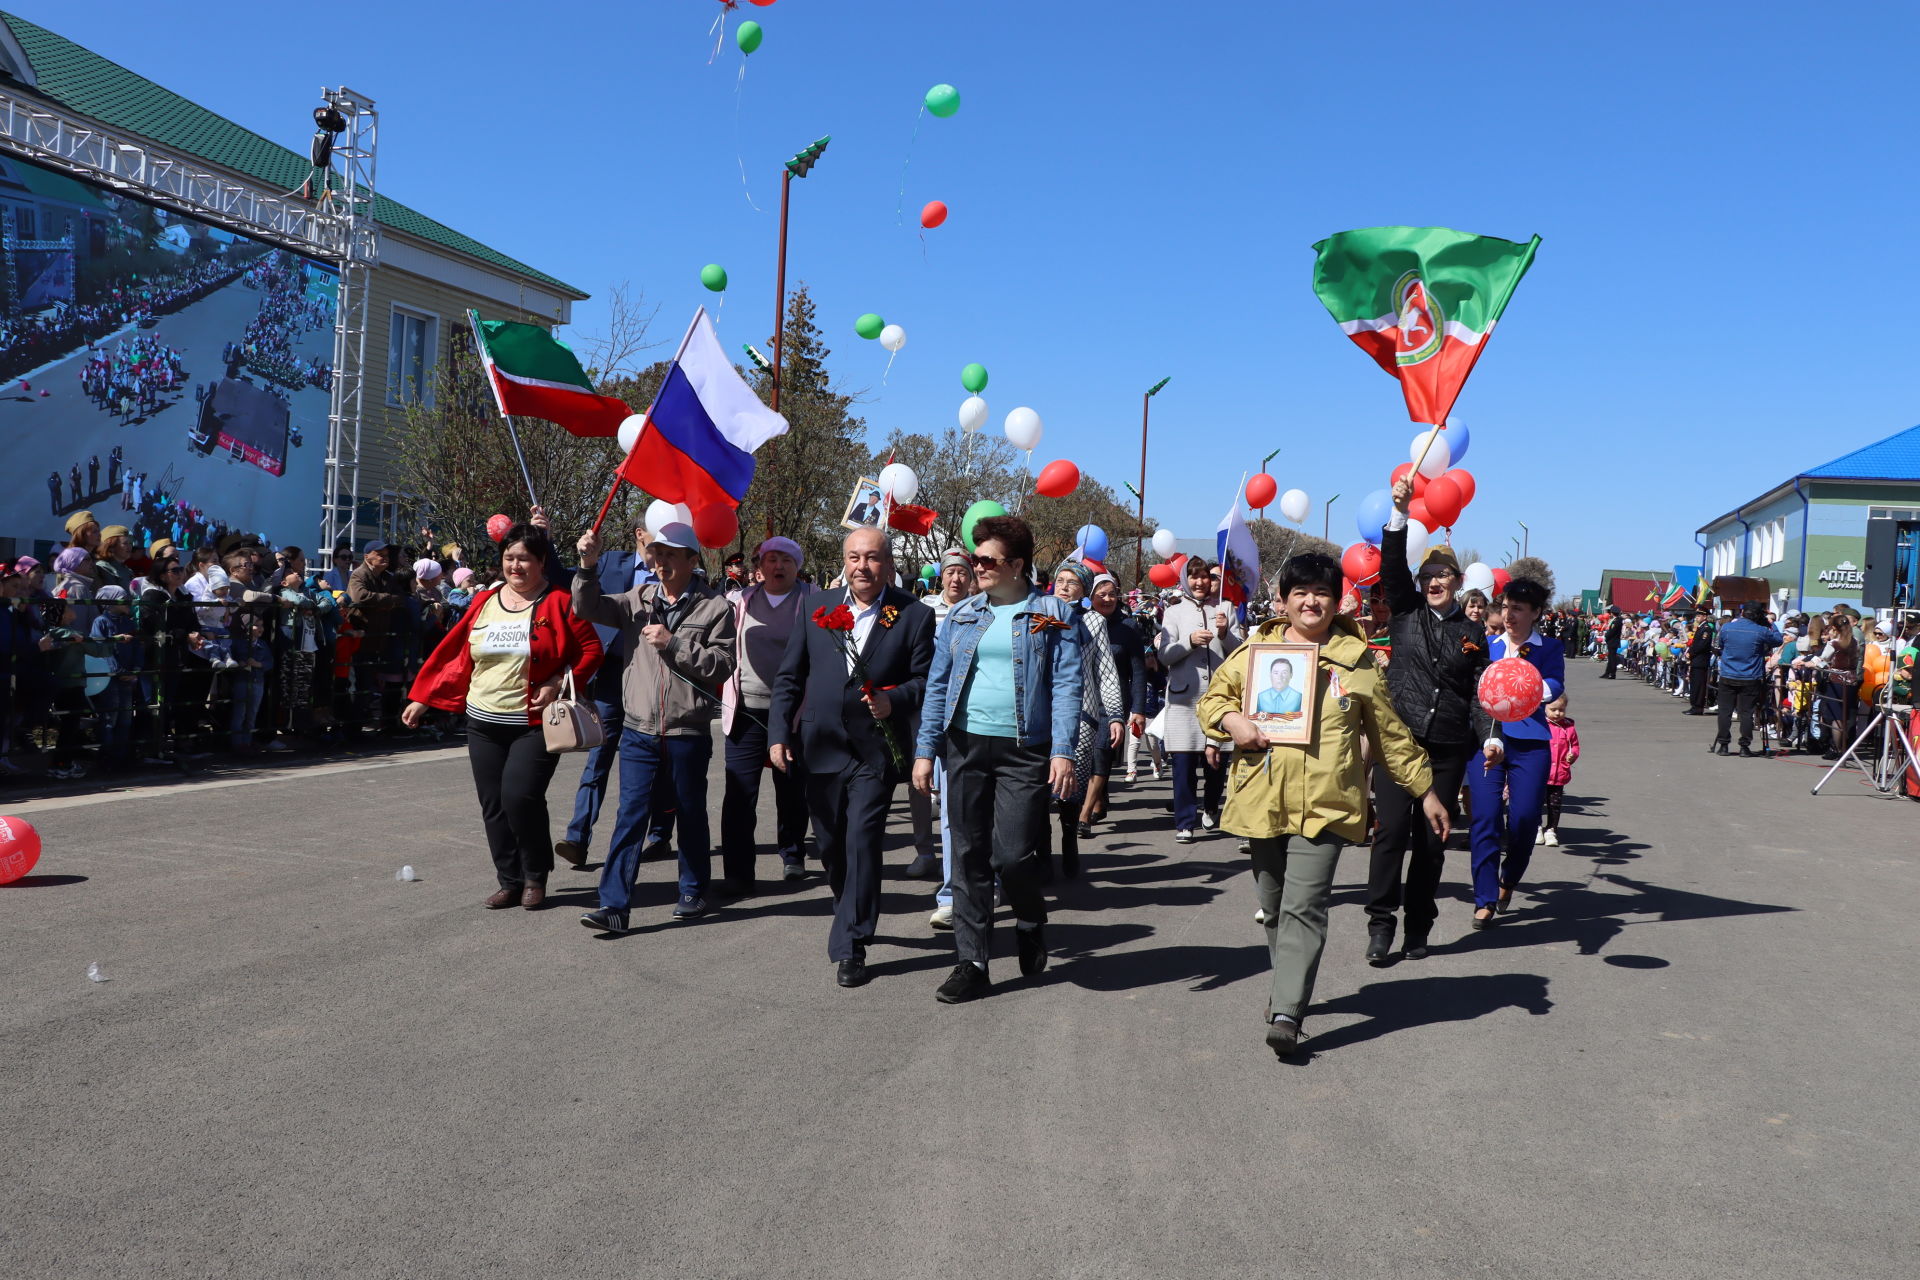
(1536, 568)
(613, 355)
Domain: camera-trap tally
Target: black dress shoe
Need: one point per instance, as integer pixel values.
(852, 973)
(1416, 946)
(968, 981)
(1283, 1037)
(1033, 949)
(794, 871)
(924, 867)
(1718, 749)
(1748, 753)
(1379, 947)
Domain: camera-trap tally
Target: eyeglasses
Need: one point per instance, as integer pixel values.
(986, 562)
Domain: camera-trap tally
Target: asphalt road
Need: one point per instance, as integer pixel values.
(1688, 1054)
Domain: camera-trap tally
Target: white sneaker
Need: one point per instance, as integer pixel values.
(1259, 915)
(1552, 838)
(1539, 837)
(942, 917)
(1207, 821)
(1130, 775)
(1183, 836)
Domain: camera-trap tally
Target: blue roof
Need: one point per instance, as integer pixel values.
(1895, 458)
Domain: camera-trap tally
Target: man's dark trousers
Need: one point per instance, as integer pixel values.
(1403, 822)
(746, 758)
(1699, 681)
(849, 825)
(1745, 694)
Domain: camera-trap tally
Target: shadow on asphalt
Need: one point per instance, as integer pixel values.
(42, 882)
(1387, 1007)
(1572, 911)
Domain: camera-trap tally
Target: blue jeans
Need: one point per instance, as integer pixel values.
(1186, 799)
(592, 792)
(1522, 773)
(647, 762)
(944, 897)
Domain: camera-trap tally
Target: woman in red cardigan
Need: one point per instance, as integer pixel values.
(501, 664)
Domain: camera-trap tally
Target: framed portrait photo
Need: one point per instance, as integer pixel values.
(1281, 689)
(863, 505)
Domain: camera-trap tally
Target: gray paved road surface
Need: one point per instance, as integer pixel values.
(1690, 1054)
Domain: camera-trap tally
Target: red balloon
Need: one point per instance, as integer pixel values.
(1164, 576)
(1057, 479)
(1511, 689)
(1464, 479)
(1500, 580)
(1361, 562)
(1261, 491)
(716, 524)
(1401, 472)
(497, 526)
(1443, 500)
(934, 214)
(19, 848)
(1419, 510)
(763, 3)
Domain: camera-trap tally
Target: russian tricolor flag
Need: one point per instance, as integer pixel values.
(697, 446)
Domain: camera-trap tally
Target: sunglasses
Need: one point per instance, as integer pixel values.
(986, 562)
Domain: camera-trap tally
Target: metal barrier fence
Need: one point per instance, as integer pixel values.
(173, 692)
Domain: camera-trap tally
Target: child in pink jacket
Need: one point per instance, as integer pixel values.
(1564, 749)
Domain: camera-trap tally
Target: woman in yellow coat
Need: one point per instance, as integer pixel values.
(1298, 805)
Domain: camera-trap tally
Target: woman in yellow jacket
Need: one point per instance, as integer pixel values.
(1298, 805)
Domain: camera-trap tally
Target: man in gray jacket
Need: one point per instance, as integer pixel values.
(678, 638)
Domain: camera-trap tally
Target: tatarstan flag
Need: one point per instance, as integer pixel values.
(1422, 301)
(536, 376)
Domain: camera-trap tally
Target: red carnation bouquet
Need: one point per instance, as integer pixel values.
(838, 622)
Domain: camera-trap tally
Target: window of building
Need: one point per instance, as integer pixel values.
(23, 223)
(410, 355)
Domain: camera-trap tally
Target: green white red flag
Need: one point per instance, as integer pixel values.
(1422, 301)
(534, 375)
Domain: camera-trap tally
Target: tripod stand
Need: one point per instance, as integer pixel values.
(1886, 767)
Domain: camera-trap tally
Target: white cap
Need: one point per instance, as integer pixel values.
(673, 534)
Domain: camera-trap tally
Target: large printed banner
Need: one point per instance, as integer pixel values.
(164, 374)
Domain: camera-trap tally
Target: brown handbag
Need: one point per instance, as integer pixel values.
(569, 724)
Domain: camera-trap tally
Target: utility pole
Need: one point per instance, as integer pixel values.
(1140, 527)
(1326, 519)
(794, 168)
(1527, 539)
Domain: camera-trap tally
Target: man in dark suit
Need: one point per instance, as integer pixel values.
(839, 726)
(619, 573)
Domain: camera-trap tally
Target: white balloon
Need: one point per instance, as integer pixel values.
(1023, 428)
(630, 431)
(1479, 577)
(661, 513)
(898, 481)
(893, 337)
(1165, 544)
(973, 413)
(1295, 505)
(1417, 535)
(1439, 457)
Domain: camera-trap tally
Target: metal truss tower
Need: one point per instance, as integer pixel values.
(346, 200)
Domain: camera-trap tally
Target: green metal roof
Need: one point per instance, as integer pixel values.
(83, 81)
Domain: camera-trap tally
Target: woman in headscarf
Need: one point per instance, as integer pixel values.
(1102, 712)
(1128, 650)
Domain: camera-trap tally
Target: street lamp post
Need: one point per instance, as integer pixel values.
(1140, 525)
(1527, 537)
(1326, 519)
(794, 168)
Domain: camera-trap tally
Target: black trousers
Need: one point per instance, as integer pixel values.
(511, 770)
(1403, 828)
(997, 807)
(1698, 684)
(849, 825)
(1746, 695)
(1613, 663)
(746, 758)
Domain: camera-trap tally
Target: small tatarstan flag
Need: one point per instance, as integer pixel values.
(1422, 301)
(534, 375)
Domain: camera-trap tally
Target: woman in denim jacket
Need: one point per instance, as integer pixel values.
(1002, 709)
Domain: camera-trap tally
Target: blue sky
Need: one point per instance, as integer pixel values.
(1725, 195)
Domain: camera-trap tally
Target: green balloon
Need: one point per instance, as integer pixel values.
(714, 276)
(869, 326)
(928, 572)
(749, 36)
(943, 100)
(984, 509)
(974, 378)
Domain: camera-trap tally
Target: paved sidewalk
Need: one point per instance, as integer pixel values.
(1688, 1054)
